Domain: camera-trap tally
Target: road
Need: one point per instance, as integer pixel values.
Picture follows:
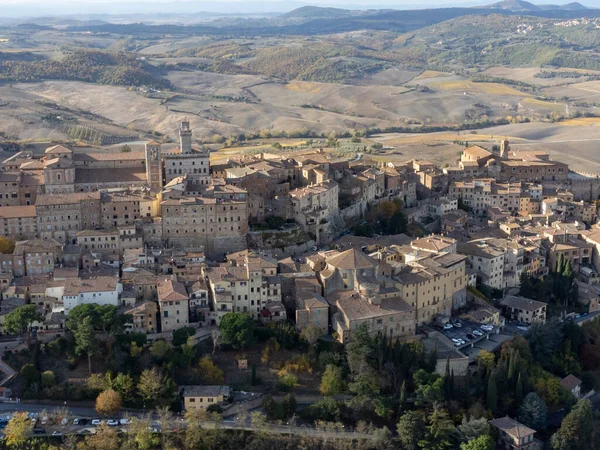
(175, 423)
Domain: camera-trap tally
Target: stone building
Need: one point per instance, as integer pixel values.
(173, 303)
(187, 160)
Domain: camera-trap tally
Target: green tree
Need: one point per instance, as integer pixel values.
(492, 394)
(150, 384)
(577, 429)
(210, 372)
(429, 387)
(237, 330)
(473, 428)
(48, 379)
(519, 390)
(85, 340)
(533, 412)
(440, 432)
(125, 148)
(181, 335)
(289, 405)
(124, 384)
(485, 442)
(411, 430)
(332, 381)
(30, 375)
(20, 320)
(160, 350)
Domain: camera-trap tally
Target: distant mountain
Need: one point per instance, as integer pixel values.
(575, 6)
(314, 12)
(524, 6)
(514, 5)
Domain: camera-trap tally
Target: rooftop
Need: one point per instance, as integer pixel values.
(512, 427)
(522, 303)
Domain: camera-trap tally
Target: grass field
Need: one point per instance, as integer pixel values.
(466, 85)
(582, 121)
(431, 74)
(305, 87)
(535, 103)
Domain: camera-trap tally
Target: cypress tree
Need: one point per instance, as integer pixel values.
(403, 394)
(519, 390)
(492, 394)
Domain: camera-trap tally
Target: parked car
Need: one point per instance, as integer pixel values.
(487, 327)
(455, 340)
(44, 420)
(457, 324)
(457, 344)
(64, 422)
(470, 336)
(83, 421)
(76, 421)
(96, 422)
(56, 433)
(124, 421)
(448, 326)
(477, 333)
(39, 430)
(112, 422)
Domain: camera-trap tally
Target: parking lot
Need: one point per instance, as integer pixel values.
(467, 328)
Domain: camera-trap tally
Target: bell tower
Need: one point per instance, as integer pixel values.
(154, 174)
(504, 148)
(185, 137)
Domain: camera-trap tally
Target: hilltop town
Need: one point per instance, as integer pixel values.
(385, 288)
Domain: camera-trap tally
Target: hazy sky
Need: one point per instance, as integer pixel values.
(37, 8)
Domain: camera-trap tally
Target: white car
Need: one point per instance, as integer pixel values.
(112, 422)
(448, 326)
(96, 422)
(487, 327)
(44, 420)
(124, 421)
(457, 344)
(477, 333)
(457, 324)
(76, 421)
(455, 340)
(56, 433)
(64, 422)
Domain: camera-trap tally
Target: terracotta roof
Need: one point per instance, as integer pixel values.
(36, 245)
(512, 427)
(76, 197)
(57, 149)
(352, 259)
(433, 243)
(11, 212)
(522, 303)
(570, 382)
(112, 156)
(76, 286)
(119, 174)
(170, 290)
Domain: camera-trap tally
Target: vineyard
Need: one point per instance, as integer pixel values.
(93, 136)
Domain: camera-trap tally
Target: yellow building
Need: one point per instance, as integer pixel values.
(202, 397)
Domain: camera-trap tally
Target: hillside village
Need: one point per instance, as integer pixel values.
(458, 260)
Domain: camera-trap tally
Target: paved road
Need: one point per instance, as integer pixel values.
(177, 423)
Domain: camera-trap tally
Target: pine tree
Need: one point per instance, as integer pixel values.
(533, 412)
(492, 394)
